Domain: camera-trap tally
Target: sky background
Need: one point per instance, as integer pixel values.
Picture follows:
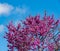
(16, 10)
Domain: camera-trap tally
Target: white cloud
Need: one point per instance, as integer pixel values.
(5, 9)
(20, 10)
(2, 28)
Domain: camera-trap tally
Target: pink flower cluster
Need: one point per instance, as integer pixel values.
(35, 33)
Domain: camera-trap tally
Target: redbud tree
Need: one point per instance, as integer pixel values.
(36, 34)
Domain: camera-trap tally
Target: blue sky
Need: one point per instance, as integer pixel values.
(16, 10)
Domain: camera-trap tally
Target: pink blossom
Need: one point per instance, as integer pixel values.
(35, 32)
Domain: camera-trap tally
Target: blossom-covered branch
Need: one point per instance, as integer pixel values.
(36, 34)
